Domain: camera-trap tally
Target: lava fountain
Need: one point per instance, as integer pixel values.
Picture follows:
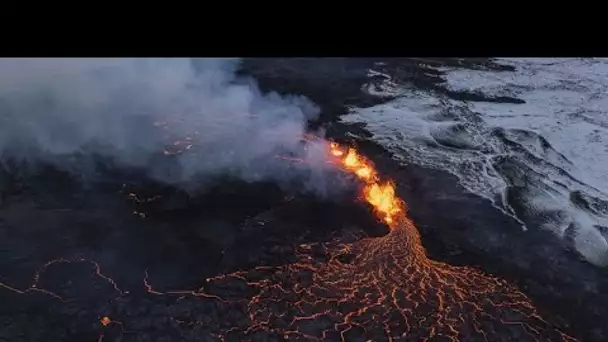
(381, 196)
(384, 288)
(365, 289)
(390, 290)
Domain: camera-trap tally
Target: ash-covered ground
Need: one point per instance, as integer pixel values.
(124, 258)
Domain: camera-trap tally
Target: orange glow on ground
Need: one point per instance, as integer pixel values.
(386, 290)
(105, 320)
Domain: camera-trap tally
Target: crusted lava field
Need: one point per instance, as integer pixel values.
(116, 266)
(123, 258)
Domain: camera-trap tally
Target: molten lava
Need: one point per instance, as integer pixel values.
(381, 196)
(379, 289)
(105, 320)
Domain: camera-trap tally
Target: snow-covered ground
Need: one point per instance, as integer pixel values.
(544, 161)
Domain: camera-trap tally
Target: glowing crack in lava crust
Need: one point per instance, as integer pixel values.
(370, 289)
(391, 289)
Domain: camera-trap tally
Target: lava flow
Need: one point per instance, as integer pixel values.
(390, 290)
(380, 289)
(381, 196)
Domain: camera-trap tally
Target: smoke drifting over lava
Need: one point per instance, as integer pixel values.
(131, 109)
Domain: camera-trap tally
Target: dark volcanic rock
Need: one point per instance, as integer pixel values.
(461, 228)
(156, 266)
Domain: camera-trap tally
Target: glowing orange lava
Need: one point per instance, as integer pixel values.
(378, 289)
(381, 196)
(105, 320)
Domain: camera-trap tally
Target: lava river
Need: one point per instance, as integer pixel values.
(386, 289)
(367, 289)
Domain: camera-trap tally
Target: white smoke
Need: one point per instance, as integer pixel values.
(55, 107)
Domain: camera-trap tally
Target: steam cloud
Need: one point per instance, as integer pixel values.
(52, 108)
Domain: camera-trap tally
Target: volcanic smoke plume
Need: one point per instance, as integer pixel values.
(129, 110)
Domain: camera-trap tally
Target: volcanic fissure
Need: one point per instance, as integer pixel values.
(347, 288)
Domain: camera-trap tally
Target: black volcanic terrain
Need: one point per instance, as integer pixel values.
(124, 258)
